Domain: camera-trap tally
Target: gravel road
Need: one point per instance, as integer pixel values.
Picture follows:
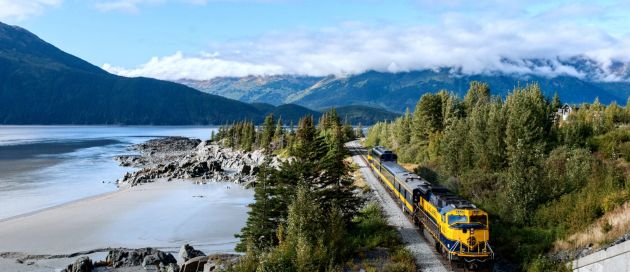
(426, 258)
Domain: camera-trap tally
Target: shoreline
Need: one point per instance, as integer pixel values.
(161, 214)
(61, 205)
(195, 201)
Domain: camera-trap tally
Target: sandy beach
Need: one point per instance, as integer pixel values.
(161, 214)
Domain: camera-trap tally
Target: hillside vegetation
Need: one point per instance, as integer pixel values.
(541, 178)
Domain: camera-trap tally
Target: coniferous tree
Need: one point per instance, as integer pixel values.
(358, 133)
(348, 132)
(315, 165)
(279, 137)
(477, 92)
(267, 133)
(555, 102)
(266, 212)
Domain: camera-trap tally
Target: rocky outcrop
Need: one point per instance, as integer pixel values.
(149, 258)
(168, 144)
(191, 159)
(83, 264)
(187, 252)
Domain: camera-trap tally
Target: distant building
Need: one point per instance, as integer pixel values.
(565, 111)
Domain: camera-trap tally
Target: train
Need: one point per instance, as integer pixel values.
(459, 230)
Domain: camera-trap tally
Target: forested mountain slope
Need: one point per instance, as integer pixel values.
(40, 84)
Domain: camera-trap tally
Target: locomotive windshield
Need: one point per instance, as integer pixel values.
(481, 219)
(454, 219)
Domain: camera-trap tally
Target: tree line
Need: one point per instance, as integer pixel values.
(540, 177)
(274, 136)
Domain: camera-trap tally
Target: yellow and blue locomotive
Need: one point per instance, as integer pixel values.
(458, 228)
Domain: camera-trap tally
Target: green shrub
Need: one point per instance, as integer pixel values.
(614, 200)
(615, 144)
(371, 230)
(401, 260)
(543, 264)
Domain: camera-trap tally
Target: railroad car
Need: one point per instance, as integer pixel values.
(457, 227)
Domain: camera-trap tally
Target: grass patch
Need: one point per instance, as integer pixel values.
(371, 230)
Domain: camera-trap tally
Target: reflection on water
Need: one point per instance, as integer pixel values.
(43, 166)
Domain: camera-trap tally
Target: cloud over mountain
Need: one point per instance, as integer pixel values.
(502, 45)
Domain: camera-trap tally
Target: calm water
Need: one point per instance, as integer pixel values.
(44, 166)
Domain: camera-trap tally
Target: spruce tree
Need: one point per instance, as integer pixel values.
(267, 134)
(315, 165)
(477, 92)
(266, 213)
(278, 135)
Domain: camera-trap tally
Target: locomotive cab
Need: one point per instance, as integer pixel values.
(467, 235)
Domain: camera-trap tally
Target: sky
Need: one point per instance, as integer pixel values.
(203, 39)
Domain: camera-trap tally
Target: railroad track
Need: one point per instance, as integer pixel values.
(357, 150)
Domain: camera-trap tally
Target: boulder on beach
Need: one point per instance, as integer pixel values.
(195, 264)
(187, 252)
(83, 264)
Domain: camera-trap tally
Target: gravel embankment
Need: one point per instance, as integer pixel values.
(425, 256)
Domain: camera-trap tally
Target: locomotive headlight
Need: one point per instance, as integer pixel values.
(472, 231)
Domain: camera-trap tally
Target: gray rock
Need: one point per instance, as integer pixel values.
(136, 257)
(195, 264)
(246, 169)
(151, 261)
(182, 158)
(83, 264)
(170, 268)
(187, 252)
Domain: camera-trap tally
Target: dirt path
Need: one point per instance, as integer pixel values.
(426, 258)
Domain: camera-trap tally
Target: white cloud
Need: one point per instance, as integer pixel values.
(482, 48)
(177, 66)
(134, 6)
(130, 6)
(20, 9)
(496, 36)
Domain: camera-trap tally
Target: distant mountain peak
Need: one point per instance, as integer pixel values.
(398, 91)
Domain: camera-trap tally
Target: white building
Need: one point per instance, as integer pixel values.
(565, 111)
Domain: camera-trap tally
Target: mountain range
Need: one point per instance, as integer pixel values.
(398, 91)
(41, 84)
